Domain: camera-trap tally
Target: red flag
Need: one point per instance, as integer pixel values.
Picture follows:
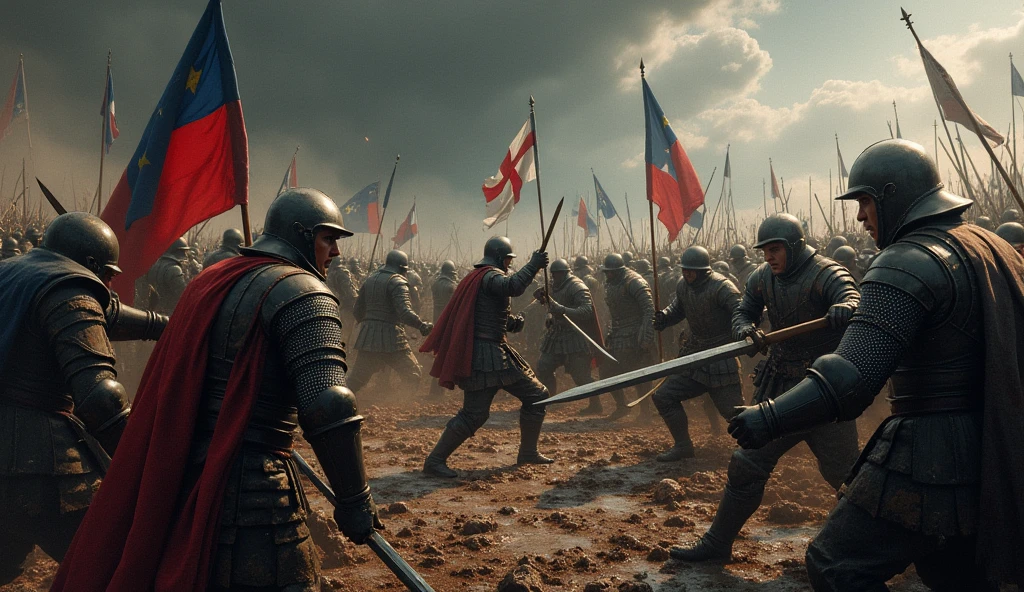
(407, 230)
(672, 182)
(16, 104)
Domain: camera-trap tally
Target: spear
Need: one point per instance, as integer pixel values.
(384, 211)
(540, 201)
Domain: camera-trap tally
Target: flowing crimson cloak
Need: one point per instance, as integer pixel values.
(451, 340)
(144, 530)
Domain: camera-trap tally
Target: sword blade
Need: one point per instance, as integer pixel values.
(650, 373)
(603, 351)
(50, 197)
(551, 225)
(378, 544)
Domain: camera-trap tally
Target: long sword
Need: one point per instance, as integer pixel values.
(678, 365)
(590, 340)
(412, 580)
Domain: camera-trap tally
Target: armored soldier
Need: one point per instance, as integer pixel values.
(382, 308)
(581, 268)
(794, 284)
(939, 484)
(58, 387)
(630, 337)
(167, 278)
(707, 300)
(10, 248)
(415, 287)
(847, 257)
(273, 362)
(230, 243)
(722, 267)
(835, 243)
(563, 346)
(1009, 215)
(441, 292)
(472, 351)
(986, 223)
(339, 280)
(741, 265)
(1013, 233)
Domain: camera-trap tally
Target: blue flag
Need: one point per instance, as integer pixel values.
(361, 213)
(1016, 82)
(604, 204)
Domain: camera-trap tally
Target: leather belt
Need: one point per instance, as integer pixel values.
(47, 402)
(927, 405)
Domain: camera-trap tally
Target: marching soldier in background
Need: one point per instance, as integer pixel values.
(10, 248)
(168, 277)
(472, 351)
(563, 346)
(441, 292)
(707, 300)
(230, 243)
(794, 285)
(581, 269)
(847, 257)
(1013, 233)
(382, 308)
(62, 409)
(630, 337)
(941, 482)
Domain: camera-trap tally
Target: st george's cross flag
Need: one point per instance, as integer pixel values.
(502, 190)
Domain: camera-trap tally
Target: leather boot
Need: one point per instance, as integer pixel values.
(620, 406)
(529, 433)
(716, 544)
(677, 425)
(436, 463)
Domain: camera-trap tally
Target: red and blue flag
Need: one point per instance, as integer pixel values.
(193, 160)
(16, 104)
(362, 212)
(672, 182)
(408, 229)
(583, 219)
(110, 132)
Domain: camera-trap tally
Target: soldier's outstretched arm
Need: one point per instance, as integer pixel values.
(516, 284)
(670, 315)
(76, 328)
(580, 308)
(127, 323)
(748, 313)
(308, 331)
(840, 386)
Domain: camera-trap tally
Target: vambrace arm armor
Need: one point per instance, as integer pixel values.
(75, 325)
(516, 284)
(670, 315)
(582, 307)
(401, 300)
(750, 310)
(127, 323)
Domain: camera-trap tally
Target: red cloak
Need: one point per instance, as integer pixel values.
(451, 340)
(142, 532)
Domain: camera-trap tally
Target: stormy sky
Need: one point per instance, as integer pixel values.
(446, 84)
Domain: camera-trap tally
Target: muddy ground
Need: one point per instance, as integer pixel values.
(601, 518)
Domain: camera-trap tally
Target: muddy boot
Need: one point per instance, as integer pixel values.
(436, 463)
(529, 433)
(677, 425)
(716, 544)
(620, 407)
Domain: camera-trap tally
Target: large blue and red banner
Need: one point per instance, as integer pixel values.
(583, 219)
(362, 212)
(193, 160)
(110, 131)
(672, 182)
(408, 229)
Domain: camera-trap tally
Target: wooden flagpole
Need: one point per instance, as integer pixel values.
(103, 136)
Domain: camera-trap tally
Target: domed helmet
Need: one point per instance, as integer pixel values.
(835, 243)
(695, 258)
(448, 267)
(86, 240)
(721, 267)
(627, 258)
(10, 248)
(559, 266)
(178, 250)
(232, 238)
(985, 222)
(396, 262)
(33, 235)
(738, 252)
(905, 184)
(614, 267)
(1008, 215)
(845, 255)
(581, 262)
(292, 223)
(414, 278)
(664, 262)
(642, 266)
(786, 229)
(1011, 232)
(496, 249)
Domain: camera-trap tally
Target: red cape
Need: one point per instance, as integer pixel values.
(451, 340)
(142, 531)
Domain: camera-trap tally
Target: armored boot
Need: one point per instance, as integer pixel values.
(620, 406)
(529, 433)
(453, 436)
(716, 543)
(678, 427)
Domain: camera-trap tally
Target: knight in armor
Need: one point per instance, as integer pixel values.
(168, 278)
(630, 337)
(215, 495)
(472, 352)
(1013, 233)
(941, 482)
(847, 257)
(562, 346)
(9, 248)
(1009, 215)
(581, 268)
(706, 299)
(795, 284)
(58, 386)
(382, 308)
(441, 292)
(339, 280)
(230, 243)
(722, 267)
(741, 265)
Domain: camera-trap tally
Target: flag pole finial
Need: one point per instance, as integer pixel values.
(906, 17)
(642, 75)
(532, 103)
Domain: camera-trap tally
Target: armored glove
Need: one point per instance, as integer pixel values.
(515, 323)
(357, 518)
(556, 309)
(839, 315)
(540, 295)
(425, 328)
(752, 426)
(645, 339)
(539, 259)
(660, 323)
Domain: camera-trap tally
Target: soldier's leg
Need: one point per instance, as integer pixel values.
(408, 368)
(642, 360)
(15, 546)
(836, 448)
(607, 369)
(364, 365)
(531, 419)
(668, 401)
(578, 367)
(545, 369)
(476, 407)
(952, 567)
(748, 473)
(714, 418)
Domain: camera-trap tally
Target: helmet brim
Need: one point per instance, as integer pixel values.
(342, 231)
(856, 191)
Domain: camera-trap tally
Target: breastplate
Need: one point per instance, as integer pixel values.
(710, 324)
(377, 296)
(794, 300)
(622, 306)
(491, 314)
